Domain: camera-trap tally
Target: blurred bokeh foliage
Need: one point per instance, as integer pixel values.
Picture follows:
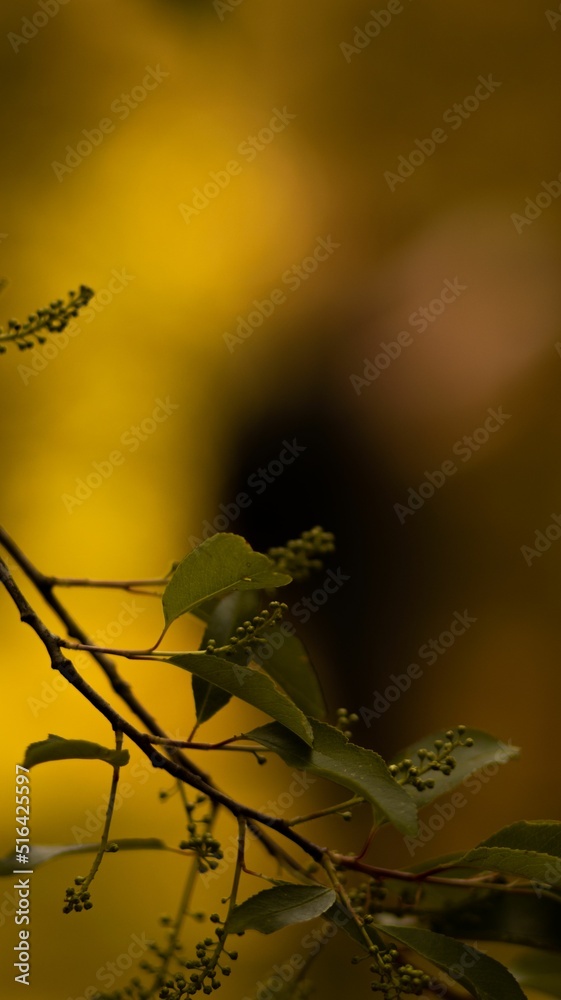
(169, 288)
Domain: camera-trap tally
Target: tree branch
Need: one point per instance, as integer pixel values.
(118, 723)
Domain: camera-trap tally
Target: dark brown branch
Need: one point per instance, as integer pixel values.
(44, 584)
(477, 882)
(177, 770)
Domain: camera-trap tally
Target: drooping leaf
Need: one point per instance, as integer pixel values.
(479, 913)
(219, 565)
(344, 921)
(486, 753)
(59, 748)
(531, 850)
(250, 685)
(40, 854)
(539, 971)
(533, 919)
(289, 665)
(281, 906)
(227, 614)
(483, 977)
(332, 756)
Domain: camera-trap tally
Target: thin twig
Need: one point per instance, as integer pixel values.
(124, 690)
(69, 672)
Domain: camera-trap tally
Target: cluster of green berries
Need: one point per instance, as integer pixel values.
(395, 980)
(344, 720)
(77, 899)
(300, 556)
(365, 898)
(53, 319)
(207, 849)
(201, 841)
(250, 633)
(439, 759)
(204, 971)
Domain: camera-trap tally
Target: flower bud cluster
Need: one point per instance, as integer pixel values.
(406, 772)
(249, 633)
(344, 720)
(300, 556)
(204, 971)
(53, 319)
(395, 980)
(77, 900)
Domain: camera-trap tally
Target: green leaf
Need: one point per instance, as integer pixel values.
(250, 685)
(539, 971)
(531, 920)
(333, 757)
(281, 906)
(486, 751)
(40, 854)
(290, 667)
(483, 977)
(219, 565)
(59, 748)
(530, 850)
(223, 620)
(344, 921)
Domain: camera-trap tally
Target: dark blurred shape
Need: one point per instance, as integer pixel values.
(336, 484)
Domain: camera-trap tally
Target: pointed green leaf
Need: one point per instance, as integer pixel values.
(281, 906)
(250, 685)
(530, 850)
(343, 920)
(483, 977)
(58, 748)
(486, 752)
(40, 854)
(219, 565)
(531, 920)
(333, 757)
(223, 620)
(539, 971)
(288, 664)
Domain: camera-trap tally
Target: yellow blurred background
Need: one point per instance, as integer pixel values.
(218, 300)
